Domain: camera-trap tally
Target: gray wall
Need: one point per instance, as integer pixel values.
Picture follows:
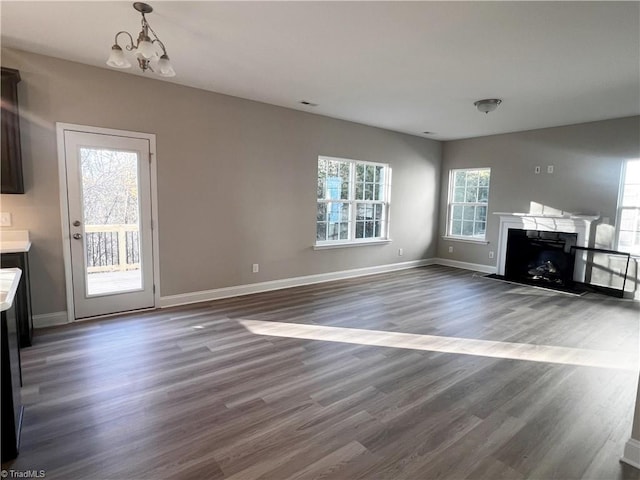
(236, 178)
(587, 160)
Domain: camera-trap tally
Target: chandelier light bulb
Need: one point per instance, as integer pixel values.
(146, 50)
(164, 67)
(117, 58)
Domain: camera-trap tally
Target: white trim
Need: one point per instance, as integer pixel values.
(64, 216)
(352, 202)
(155, 236)
(50, 319)
(235, 291)
(465, 240)
(621, 181)
(326, 246)
(64, 207)
(632, 453)
(476, 267)
(619, 205)
(451, 203)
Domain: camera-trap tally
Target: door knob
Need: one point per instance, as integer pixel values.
(77, 236)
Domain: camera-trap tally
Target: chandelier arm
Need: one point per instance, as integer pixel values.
(129, 47)
(156, 39)
(164, 50)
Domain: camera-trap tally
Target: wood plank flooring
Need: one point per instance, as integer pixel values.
(253, 388)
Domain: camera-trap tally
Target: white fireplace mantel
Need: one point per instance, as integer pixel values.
(579, 224)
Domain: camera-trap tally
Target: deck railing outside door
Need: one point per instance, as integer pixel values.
(112, 248)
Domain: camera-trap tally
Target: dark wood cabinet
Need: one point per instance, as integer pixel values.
(11, 401)
(23, 295)
(11, 155)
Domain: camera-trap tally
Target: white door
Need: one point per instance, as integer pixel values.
(110, 230)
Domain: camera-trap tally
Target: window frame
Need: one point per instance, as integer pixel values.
(353, 203)
(451, 204)
(621, 208)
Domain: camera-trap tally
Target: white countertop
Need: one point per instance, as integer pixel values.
(14, 241)
(9, 280)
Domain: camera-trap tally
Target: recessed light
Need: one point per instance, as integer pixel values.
(308, 104)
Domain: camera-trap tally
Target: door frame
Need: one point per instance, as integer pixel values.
(61, 128)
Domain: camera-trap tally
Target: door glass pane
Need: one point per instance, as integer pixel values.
(111, 220)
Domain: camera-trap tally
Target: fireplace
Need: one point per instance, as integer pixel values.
(545, 227)
(540, 258)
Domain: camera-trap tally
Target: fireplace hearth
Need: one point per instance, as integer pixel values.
(540, 258)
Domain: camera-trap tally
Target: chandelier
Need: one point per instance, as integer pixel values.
(144, 48)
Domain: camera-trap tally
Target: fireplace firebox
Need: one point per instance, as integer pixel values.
(540, 258)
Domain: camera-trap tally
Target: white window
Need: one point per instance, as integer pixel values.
(468, 199)
(353, 201)
(628, 224)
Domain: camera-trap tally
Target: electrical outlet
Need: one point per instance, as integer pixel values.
(491, 254)
(550, 169)
(537, 170)
(255, 268)
(451, 249)
(5, 219)
(400, 252)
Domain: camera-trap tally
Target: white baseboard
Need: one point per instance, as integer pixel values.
(477, 267)
(60, 318)
(50, 319)
(632, 453)
(236, 291)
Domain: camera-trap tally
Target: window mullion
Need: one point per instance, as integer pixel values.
(352, 203)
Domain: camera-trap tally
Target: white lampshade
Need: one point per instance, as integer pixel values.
(164, 67)
(146, 50)
(117, 58)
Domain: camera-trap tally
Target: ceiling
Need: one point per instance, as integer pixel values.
(404, 66)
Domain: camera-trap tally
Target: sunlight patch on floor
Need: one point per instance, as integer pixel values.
(434, 343)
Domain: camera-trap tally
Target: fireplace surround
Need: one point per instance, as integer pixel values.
(579, 226)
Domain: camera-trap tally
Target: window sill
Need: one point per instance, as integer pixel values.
(327, 246)
(465, 240)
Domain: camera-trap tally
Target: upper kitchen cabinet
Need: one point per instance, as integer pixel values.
(11, 160)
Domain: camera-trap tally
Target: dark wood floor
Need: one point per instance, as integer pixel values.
(259, 387)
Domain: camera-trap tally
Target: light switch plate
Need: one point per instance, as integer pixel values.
(5, 219)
